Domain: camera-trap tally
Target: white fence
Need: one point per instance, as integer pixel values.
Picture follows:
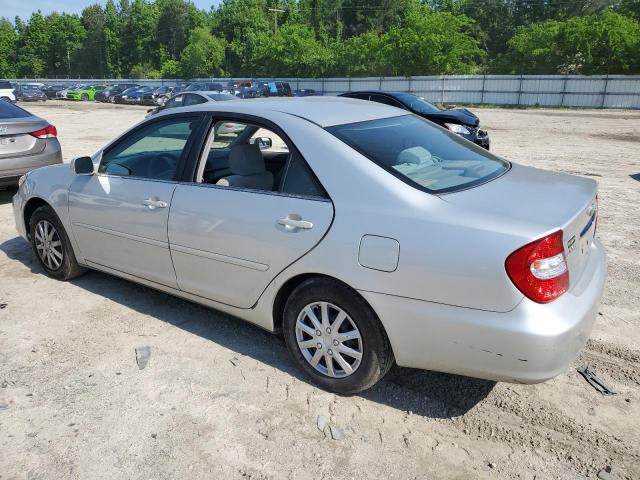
(596, 91)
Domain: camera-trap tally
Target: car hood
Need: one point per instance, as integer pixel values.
(456, 115)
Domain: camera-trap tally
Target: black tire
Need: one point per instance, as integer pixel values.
(5, 99)
(377, 356)
(69, 267)
(84, 97)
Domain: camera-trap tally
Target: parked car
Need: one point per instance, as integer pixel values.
(62, 94)
(6, 92)
(273, 89)
(460, 121)
(187, 99)
(26, 142)
(306, 92)
(132, 95)
(108, 94)
(374, 237)
(84, 93)
(158, 96)
(29, 93)
(235, 87)
(51, 91)
(204, 87)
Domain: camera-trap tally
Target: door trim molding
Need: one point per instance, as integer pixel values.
(128, 236)
(240, 262)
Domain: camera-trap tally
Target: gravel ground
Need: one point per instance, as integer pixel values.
(219, 398)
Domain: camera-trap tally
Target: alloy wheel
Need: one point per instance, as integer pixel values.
(49, 245)
(329, 339)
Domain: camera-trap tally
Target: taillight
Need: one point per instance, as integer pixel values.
(539, 269)
(47, 132)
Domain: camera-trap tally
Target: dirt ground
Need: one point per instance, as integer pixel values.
(220, 398)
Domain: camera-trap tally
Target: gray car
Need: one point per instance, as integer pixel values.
(26, 142)
(369, 237)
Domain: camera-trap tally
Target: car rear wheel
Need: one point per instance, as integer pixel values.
(84, 97)
(51, 245)
(335, 337)
(5, 99)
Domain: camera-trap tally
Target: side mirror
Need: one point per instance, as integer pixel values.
(263, 142)
(82, 166)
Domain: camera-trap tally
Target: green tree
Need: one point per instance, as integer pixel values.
(431, 42)
(293, 51)
(595, 44)
(8, 41)
(203, 56)
(112, 44)
(66, 35)
(242, 23)
(360, 56)
(32, 47)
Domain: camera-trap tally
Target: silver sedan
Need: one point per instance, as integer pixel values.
(26, 142)
(368, 237)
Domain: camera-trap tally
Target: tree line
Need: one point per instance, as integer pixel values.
(321, 38)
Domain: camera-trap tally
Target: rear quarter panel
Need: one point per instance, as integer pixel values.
(445, 255)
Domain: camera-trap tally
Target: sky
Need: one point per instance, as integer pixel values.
(23, 9)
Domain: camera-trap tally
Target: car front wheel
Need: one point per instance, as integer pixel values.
(335, 337)
(51, 245)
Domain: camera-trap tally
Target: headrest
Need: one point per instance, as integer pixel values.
(417, 155)
(246, 159)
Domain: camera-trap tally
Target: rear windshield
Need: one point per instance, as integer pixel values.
(422, 154)
(9, 110)
(219, 97)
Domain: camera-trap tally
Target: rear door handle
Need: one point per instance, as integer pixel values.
(154, 203)
(294, 222)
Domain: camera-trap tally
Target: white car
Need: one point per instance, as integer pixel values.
(373, 237)
(6, 92)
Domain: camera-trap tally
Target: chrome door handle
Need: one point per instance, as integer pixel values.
(153, 203)
(294, 222)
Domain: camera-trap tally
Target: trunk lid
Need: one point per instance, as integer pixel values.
(531, 203)
(15, 139)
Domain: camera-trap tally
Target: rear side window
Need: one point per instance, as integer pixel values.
(9, 110)
(422, 154)
(300, 180)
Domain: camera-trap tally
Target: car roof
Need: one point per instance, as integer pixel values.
(323, 111)
(380, 92)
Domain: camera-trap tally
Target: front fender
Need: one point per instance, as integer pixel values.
(49, 185)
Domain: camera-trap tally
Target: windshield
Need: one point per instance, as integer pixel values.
(193, 87)
(416, 103)
(130, 90)
(422, 154)
(219, 97)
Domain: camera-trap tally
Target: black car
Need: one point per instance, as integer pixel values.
(157, 97)
(29, 93)
(460, 120)
(51, 90)
(109, 93)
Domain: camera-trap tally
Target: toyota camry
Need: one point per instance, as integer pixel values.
(362, 233)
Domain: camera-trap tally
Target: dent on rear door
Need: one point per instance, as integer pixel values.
(227, 245)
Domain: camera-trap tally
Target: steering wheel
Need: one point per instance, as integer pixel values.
(162, 167)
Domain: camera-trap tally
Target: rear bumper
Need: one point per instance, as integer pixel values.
(530, 344)
(11, 169)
